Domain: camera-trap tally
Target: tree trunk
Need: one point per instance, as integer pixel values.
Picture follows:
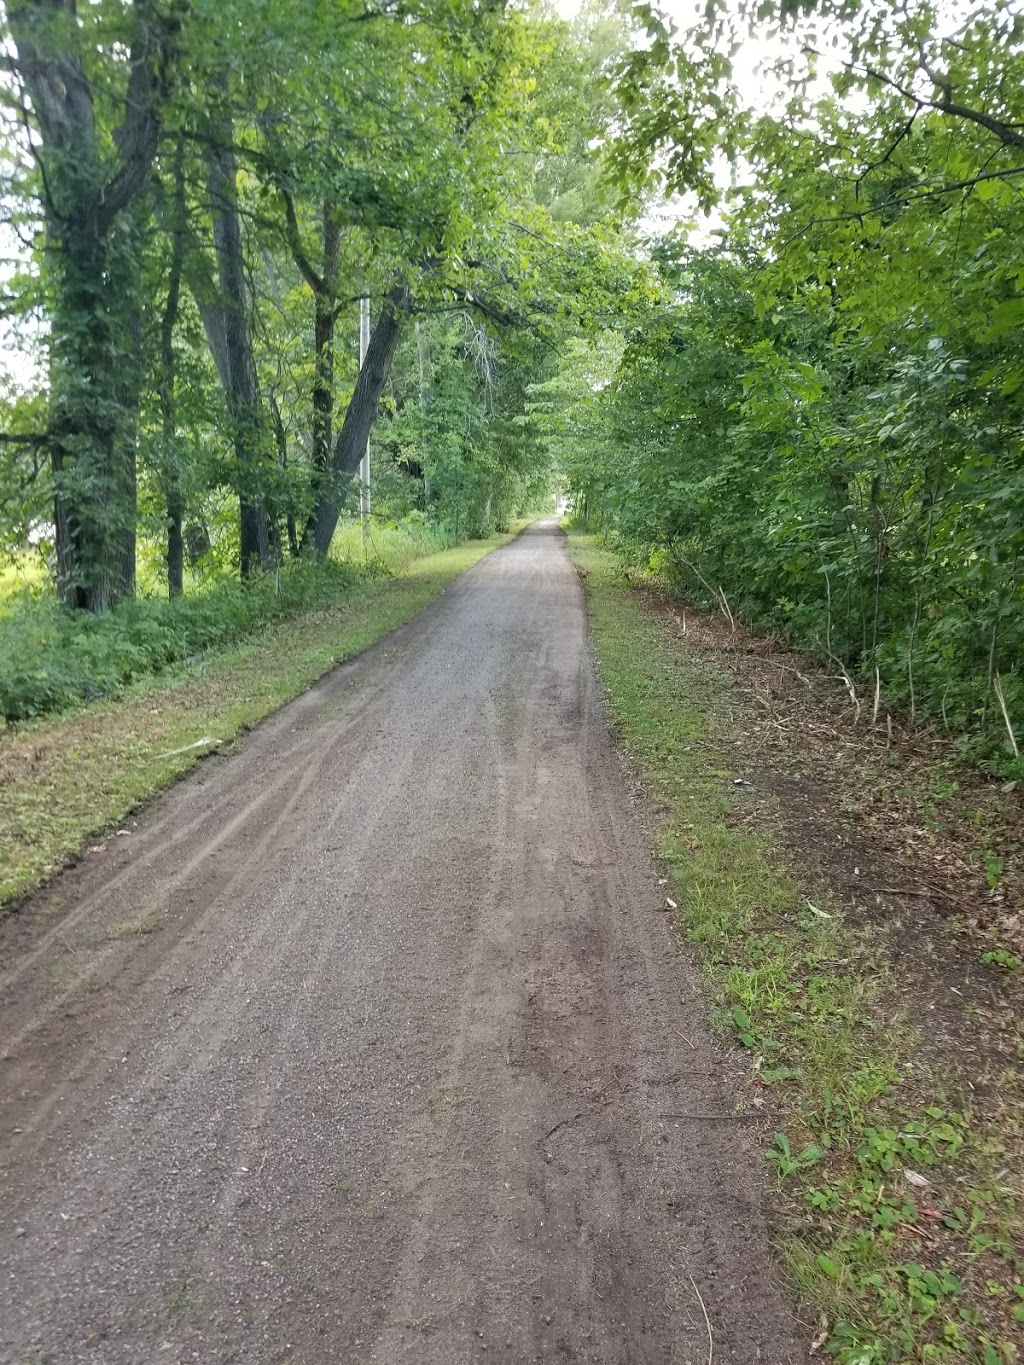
(175, 543)
(169, 454)
(281, 436)
(422, 355)
(324, 316)
(94, 411)
(129, 397)
(238, 364)
(359, 418)
(324, 285)
(92, 267)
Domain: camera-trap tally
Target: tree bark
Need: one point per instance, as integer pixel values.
(359, 418)
(324, 317)
(324, 286)
(237, 363)
(94, 413)
(281, 436)
(170, 463)
(423, 356)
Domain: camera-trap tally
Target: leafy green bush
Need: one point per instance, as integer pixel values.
(857, 493)
(52, 658)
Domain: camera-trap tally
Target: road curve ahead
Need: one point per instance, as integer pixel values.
(368, 1044)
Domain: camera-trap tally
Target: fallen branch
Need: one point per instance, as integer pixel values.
(786, 668)
(186, 748)
(716, 594)
(997, 688)
(671, 1080)
(844, 677)
(726, 608)
(707, 1320)
(684, 1038)
(715, 1118)
(929, 893)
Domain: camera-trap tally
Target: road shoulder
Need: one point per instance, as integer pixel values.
(882, 1085)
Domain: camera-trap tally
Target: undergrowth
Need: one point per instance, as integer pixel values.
(900, 1207)
(53, 659)
(390, 547)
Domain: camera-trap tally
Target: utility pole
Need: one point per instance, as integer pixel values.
(421, 353)
(364, 463)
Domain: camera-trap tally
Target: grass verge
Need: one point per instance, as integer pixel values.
(65, 779)
(899, 1202)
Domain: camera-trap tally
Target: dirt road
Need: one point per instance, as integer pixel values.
(368, 1044)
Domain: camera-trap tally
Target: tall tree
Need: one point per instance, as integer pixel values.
(93, 178)
(359, 419)
(228, 322)
(169, 461)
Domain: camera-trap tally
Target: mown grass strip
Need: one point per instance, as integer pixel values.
(900, 1222)
(64, 780)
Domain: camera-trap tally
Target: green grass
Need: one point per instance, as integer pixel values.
(24, 574)
(64, 780)
(899, 1271)
(392, 547)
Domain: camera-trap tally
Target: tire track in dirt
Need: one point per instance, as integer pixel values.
(397, 1073)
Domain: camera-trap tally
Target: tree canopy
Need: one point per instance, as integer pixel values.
(205, 191)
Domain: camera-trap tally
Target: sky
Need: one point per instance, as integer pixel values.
(761, 91)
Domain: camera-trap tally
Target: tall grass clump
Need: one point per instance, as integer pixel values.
(390, 547)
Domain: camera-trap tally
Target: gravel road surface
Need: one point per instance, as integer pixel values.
(368, 1044)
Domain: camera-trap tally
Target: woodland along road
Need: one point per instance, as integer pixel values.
(368, 1044)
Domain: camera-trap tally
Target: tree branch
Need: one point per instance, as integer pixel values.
(889, 152)
(502, 316)
(904, 198)
(139, 132)
(1005, 132)
(294, 238)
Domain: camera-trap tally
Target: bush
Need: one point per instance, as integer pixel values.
(52, 658)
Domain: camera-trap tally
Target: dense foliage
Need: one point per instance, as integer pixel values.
(51, 658)
(805, 408)
(821, 429)
(200, 193)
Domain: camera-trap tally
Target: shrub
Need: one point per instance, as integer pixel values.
(52, 658)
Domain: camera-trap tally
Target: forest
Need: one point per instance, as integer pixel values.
(745, 284)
